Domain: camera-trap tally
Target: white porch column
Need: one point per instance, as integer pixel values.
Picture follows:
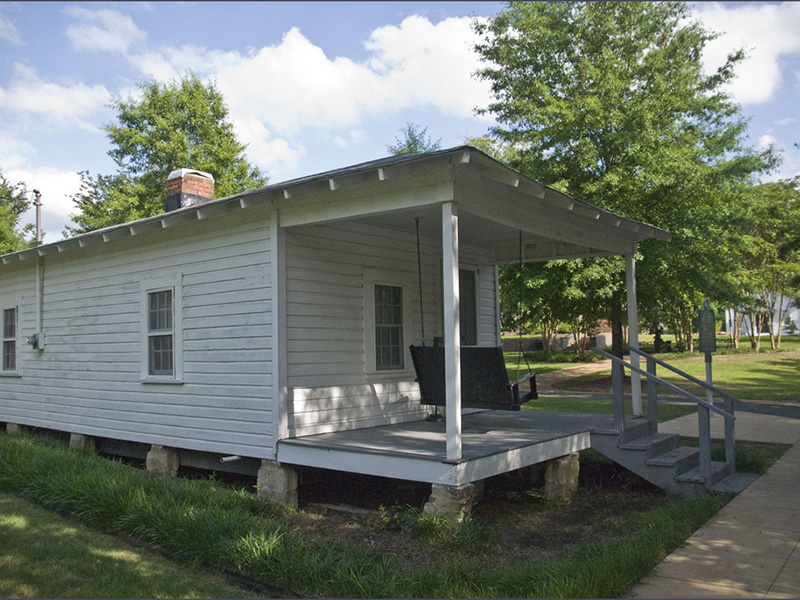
(452, 330)
(633, 332)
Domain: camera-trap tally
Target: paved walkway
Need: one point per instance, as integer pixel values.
(750, 548)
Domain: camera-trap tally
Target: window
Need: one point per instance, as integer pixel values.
(468, 307)
(389, 347)
(162, 332)
(387, 318)
(10, 340)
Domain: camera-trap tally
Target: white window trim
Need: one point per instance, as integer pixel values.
(373, 277)
(173, 284)
(14, 303)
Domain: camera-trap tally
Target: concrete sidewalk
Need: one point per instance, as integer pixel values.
(750, 548)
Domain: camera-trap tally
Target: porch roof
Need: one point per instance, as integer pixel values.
(496, 203)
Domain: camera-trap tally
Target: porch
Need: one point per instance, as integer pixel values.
(492, 442)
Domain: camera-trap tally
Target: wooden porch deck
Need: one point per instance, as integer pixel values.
(493, 442)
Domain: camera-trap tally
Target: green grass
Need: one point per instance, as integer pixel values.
(544, 362)
(765, 376)
(221, 528)
(45, 555)
(666, 412)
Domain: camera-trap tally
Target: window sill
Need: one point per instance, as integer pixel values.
(10, 374)
(164, 380)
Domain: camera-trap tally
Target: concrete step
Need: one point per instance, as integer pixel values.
(653, 444)
(680, 459)
(734, 483)
(719, 471)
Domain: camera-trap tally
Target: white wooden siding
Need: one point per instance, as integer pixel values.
(329, 388)
(88, 378)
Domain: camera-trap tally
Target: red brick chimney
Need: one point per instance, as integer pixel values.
(187, 187)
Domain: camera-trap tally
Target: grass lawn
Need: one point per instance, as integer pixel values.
(666, 411)
(770, 377)
(45, 555)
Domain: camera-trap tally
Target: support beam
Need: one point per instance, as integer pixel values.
(280, 390)
(633, 333)
(452, 330)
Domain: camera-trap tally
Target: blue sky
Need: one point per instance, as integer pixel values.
(310, 86)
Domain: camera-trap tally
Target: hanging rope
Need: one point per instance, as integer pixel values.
(519, 312)
(419, 273)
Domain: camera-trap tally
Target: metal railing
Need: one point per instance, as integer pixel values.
(704, 407)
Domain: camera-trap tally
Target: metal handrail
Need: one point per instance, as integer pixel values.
(695, 380)
(665, 383)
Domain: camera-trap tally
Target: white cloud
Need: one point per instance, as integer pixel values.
(8, 31)
(767, 140)
(426, 64)
(57, 187)
(767, 31)
(104, 30)
(27, 96)
(13, 150)
(276, 92)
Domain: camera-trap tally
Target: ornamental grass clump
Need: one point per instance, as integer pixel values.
(215, 526)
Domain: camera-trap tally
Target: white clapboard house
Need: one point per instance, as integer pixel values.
(271, 329)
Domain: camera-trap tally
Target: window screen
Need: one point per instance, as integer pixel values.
(388, 327)
(10, 339)
(160, 333)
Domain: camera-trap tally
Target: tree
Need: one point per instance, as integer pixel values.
(415, 141)
(608, 102)
(770, 258)
(165, 127)
(13, 202)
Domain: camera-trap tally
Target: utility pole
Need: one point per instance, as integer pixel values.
(37, 202)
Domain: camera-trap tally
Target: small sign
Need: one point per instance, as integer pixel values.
(706, 326)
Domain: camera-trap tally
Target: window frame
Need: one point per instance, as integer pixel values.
(173, 286)
(373, 278)
(14, 340)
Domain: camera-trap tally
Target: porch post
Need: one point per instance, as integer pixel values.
(452, 330)
(633, 333)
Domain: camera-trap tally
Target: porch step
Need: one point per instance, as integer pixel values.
(719, 471)
(681, 459)
(654, 444)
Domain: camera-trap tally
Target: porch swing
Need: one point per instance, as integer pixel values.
(484, 379)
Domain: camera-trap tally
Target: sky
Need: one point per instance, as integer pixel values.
(310, 86)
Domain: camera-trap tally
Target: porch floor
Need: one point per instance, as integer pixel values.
(493, 442)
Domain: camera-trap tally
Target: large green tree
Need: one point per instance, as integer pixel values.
(608, 101)
(165, 126)
(13, 202)
(770, 260)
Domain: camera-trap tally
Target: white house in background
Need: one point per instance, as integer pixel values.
(242, 328)
(790, 311)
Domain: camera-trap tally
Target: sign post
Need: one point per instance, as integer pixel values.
(708, 343)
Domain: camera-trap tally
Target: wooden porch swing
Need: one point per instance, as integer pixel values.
(484, 378)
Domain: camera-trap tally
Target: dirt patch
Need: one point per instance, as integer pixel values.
(513, 522)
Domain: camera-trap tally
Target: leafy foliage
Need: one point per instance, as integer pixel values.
(608, 102)
(415, 141)
(164, 127)
(13, 202)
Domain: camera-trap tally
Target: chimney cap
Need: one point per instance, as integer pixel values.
(181, 173)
